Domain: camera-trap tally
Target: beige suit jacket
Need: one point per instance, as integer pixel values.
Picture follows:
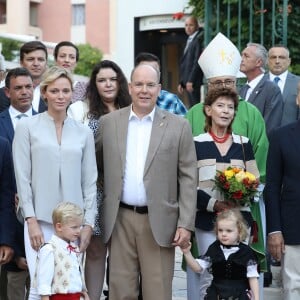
(170, 175)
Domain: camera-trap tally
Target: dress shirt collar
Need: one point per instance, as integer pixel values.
(282, 76)
(14, 112)
(253, 83)
(36, 98)
(191, 37)
(282, 79)
(150, 115)
(62, 243)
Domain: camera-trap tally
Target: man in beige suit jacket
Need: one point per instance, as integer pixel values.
(149, 163)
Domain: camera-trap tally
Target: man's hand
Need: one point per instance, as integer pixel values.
(6, 254)
(276, 245)
(182, 238)
(21, 263)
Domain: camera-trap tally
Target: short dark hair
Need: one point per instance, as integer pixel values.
(146, 56)
(32, 46)
(68, 44)
(212, 96)
(16, 72)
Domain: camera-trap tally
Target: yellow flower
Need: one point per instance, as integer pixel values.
(229, 173)
(250, 176)
(240, 176)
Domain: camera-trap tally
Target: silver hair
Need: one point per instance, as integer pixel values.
(261, 52)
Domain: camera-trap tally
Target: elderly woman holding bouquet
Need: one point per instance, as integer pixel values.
(228, 174)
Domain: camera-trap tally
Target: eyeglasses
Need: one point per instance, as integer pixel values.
(140, 85)
(220, 84)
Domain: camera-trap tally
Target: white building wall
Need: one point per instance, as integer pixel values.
(122, 50)
(78, 34)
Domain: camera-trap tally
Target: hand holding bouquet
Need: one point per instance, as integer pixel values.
(238, 186)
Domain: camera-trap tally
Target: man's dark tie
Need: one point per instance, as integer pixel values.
(20, 116)
(243, 91)
(276, 80)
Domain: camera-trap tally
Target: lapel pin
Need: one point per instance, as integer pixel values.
(161, 124)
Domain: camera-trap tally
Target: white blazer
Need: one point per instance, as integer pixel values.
(78, 111)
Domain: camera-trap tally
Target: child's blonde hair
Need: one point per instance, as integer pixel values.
(236, 216)
(66, 211)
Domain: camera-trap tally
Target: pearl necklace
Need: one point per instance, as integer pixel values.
(219, 140)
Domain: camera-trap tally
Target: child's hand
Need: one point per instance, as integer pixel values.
(85, 296)
(186, 249)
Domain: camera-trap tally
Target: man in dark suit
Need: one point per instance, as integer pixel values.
(19, 89)
(7, 188)
(190, 73)
(7, 220)
(278, 62)
(258, 90)
(282, 204)
(33, 57)
(4, 101)
(149, 164)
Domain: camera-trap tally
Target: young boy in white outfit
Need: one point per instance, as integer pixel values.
(59, 273)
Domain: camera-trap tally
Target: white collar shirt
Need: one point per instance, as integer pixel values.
(36, 98)
(14, 113)
(138, 139)
(46, 270)
(282, 79)
(252, 85)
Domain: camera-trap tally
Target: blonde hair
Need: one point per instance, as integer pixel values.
(53, 74)
(66, 211)
(236, 216)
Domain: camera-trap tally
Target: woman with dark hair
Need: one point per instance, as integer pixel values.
(66, 55)
(106, 91)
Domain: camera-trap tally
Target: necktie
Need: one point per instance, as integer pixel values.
(276, 80)
(20, 116)
(244, 90)
(188, 43)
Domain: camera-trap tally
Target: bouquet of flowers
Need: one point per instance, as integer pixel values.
(238, 186)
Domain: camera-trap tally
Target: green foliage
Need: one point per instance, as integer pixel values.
(198, 8)
(89, 56)
(10, 48)
(293, 23)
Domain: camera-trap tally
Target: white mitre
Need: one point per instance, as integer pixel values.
(220, 58)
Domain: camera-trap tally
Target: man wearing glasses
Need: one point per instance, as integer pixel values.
(220, 62)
